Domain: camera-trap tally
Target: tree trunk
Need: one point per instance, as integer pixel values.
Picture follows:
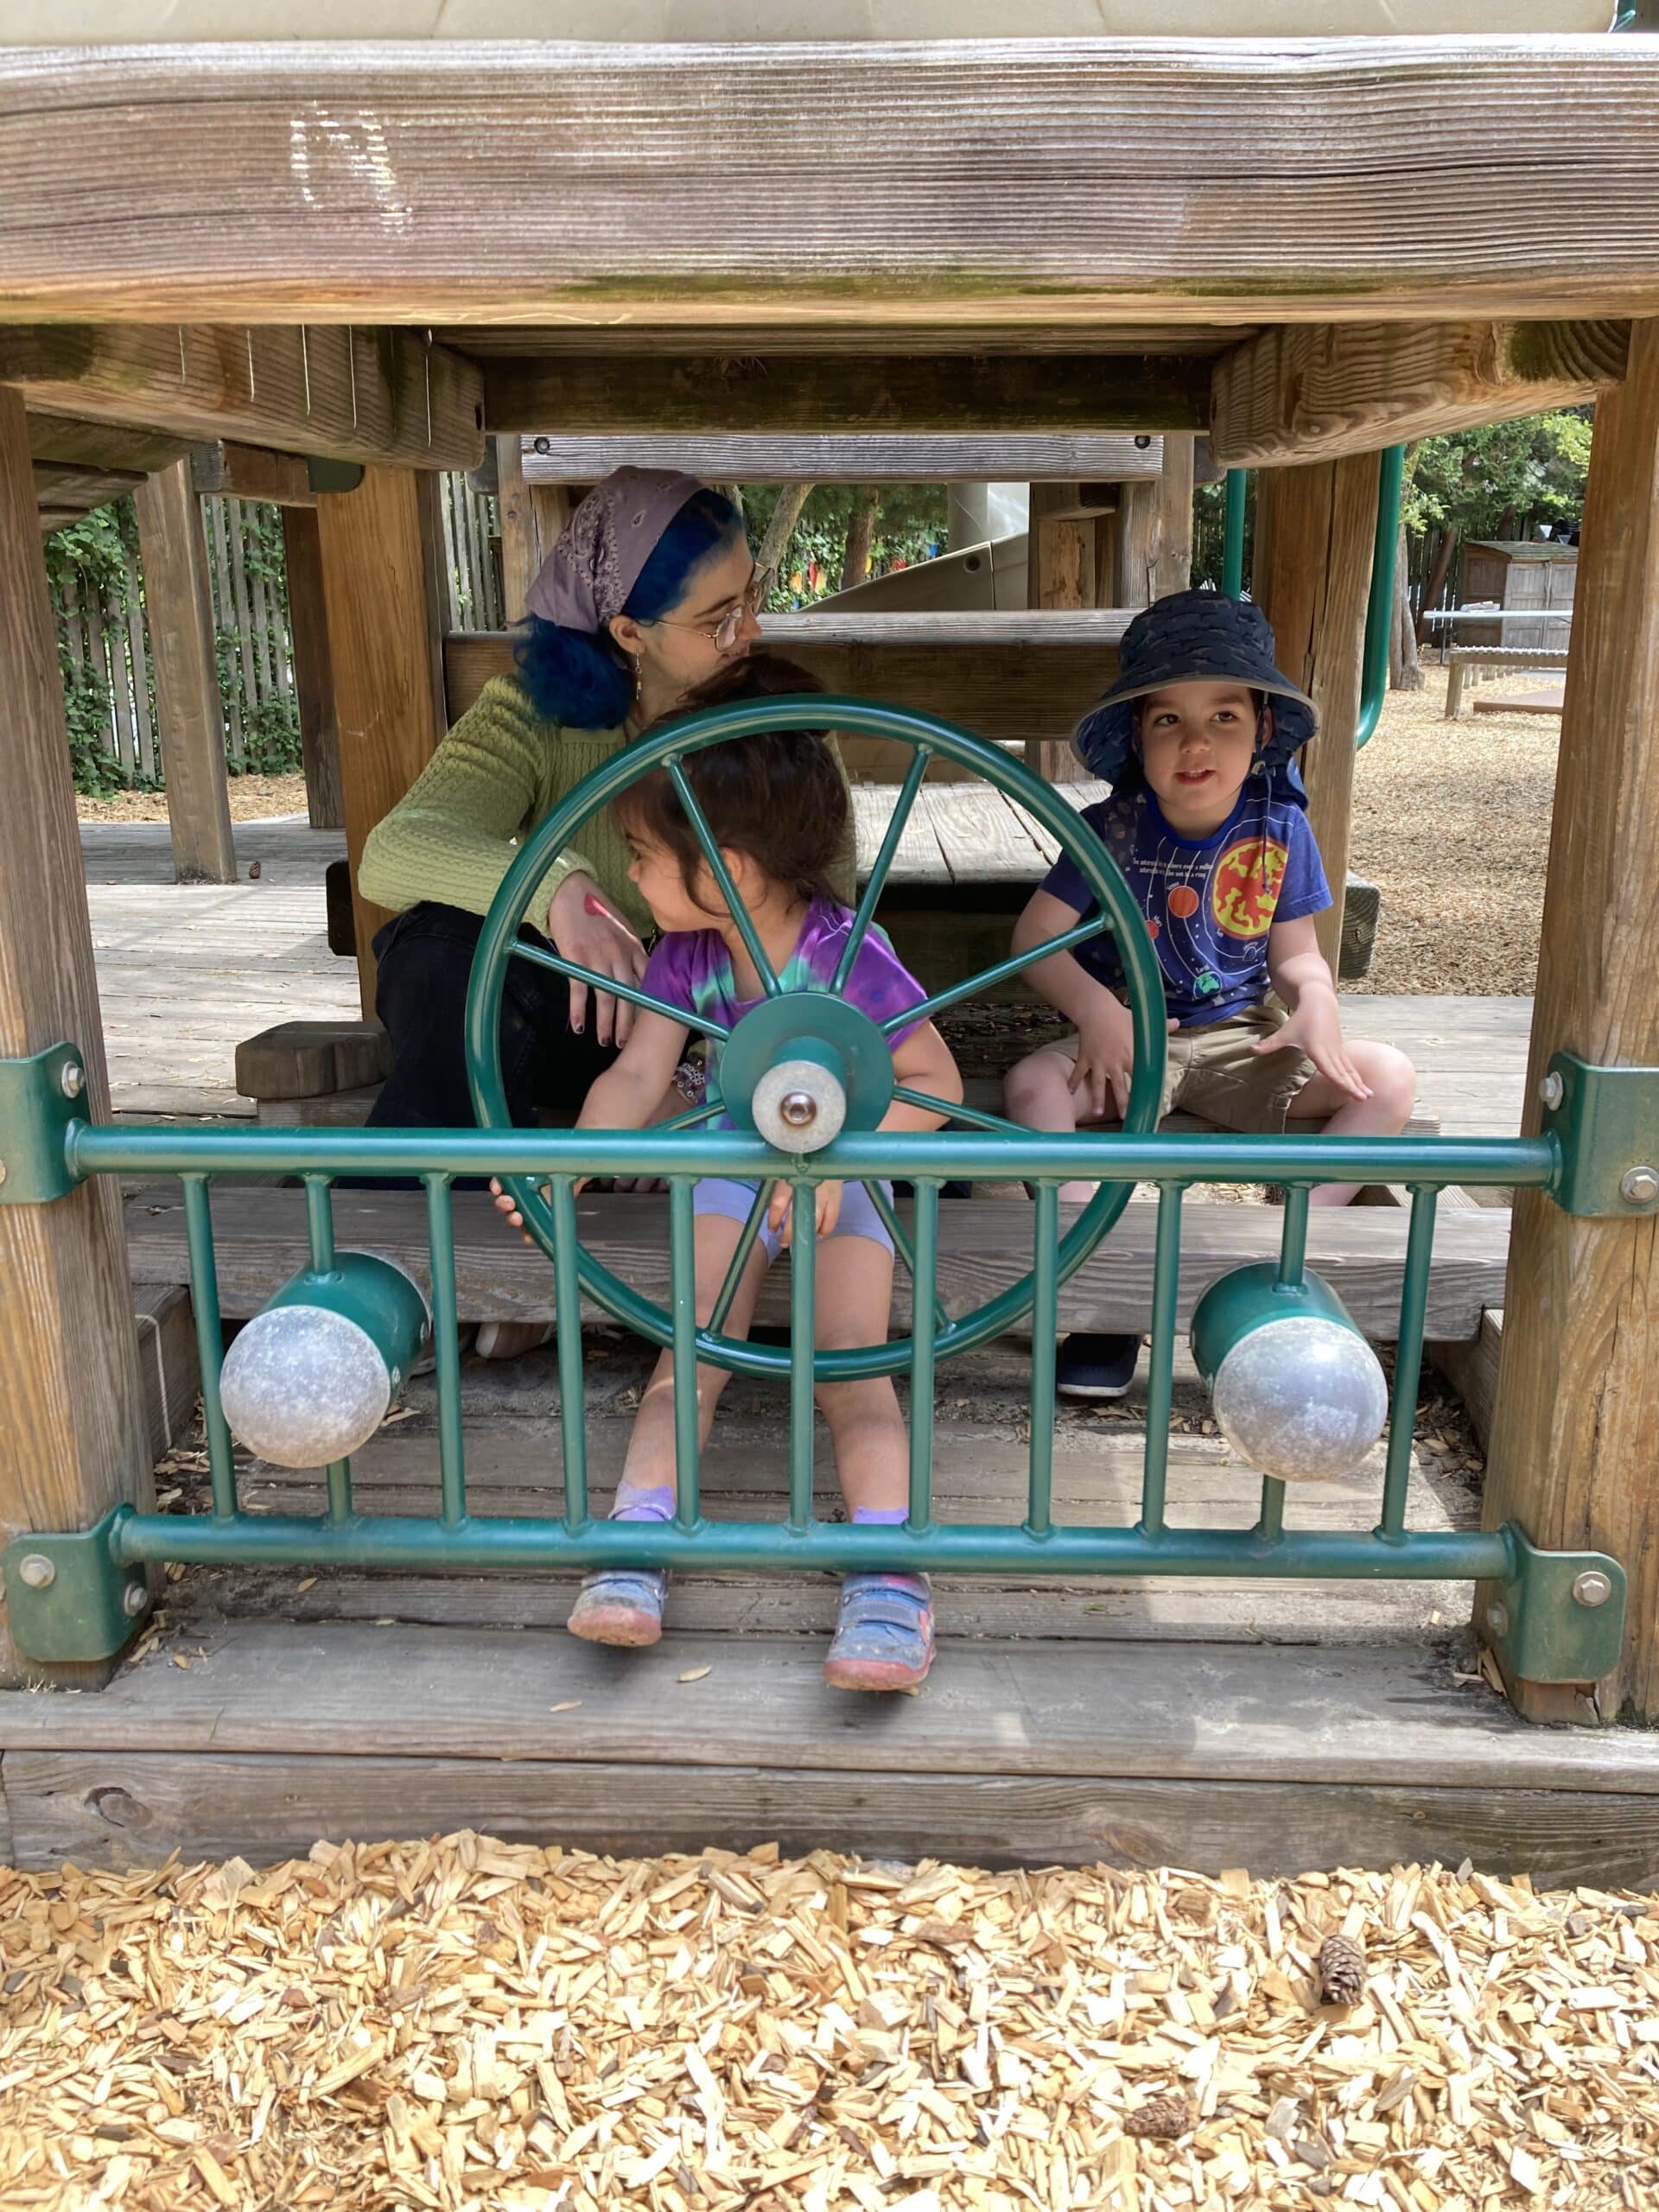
(1437, 576)
(1405, 671)
(861, 535)
(792, 498)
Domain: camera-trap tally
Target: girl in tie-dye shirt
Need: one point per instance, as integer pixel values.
(778, 807)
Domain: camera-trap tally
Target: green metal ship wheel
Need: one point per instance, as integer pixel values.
(803, 1067)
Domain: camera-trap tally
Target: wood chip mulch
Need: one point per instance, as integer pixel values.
(464, 2024)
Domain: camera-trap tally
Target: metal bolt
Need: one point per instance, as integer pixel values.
(1497, 1618)
(72, 1079)
(1552, 1090)
(1592, 1587)
(799, 1109)
(134, 1600)
(1639, 1186)
(37, 1571)
(2, 1171)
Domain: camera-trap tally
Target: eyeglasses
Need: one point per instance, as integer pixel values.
(723, 634)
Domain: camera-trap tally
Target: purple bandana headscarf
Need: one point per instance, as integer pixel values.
(589, 575)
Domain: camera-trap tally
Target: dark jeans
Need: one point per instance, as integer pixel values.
(425, 958)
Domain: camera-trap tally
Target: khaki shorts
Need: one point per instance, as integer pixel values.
(1213, 1073)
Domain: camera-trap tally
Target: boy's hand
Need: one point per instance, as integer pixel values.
(1315, 1029)
(1105, 1061)
(826, 1212)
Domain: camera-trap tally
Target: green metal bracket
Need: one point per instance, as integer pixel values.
(322, 474)
(1605, 1121)
(39, 1098)
(1559, 1617)
(71, 1597)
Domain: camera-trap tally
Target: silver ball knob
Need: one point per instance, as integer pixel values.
(799, 1105)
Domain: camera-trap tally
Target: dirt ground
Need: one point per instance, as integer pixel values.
(252, 799)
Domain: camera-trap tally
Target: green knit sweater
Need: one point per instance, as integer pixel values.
(496, 777)
(499, 773)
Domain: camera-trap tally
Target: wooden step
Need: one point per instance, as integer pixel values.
(274, 1734)
(984, 1245)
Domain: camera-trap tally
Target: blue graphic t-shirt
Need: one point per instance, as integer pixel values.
(1209, 902)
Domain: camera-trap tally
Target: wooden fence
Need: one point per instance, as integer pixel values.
(102, 627)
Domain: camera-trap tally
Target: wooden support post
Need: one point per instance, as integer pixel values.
(189, 711)
(72, 1438)
(1060, 574)
(1314, 528)
(1172, 555)
(383, 589)
(314, 675)
(522, 553)
(1572, 1456)
(1137, 510)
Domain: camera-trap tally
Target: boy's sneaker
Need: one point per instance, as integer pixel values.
(1095, 1367)
(620, 1604)
(884, 1634)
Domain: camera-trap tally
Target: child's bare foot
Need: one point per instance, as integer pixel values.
(884, 1634)
(510, 1339)
(621, 1605)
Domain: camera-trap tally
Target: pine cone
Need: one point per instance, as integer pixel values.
(1342, 1971)
(1162, 2118)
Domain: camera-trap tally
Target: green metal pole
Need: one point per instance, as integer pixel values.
(1232, 551)
(924, 1276)
(446, 1351)
(319, 1229)
(1292, 1239)
(683, 1280)
(210, 1343)
(1408, 1364)
(1160, 1376)
(567, 1311)
(1379, 610)
(803, 1338)
(883, 862)
(1044, 1331)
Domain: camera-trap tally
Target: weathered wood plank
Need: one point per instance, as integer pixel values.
(326, 389)
(984, 1245)
(1383, 179)
(383, 595)
(1171, 543)
(72, 1439)
(1471, 1368)
(1578, 1401)
(1216, 1712)
(128, 1810)
(169, 1366)
(314, 670)
(854, 332)
(1312, 391)
(243, 472)
(187, 710)
(782, 395)
(1010, 676)
(846, 457)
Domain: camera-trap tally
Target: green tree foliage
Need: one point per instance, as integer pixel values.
(1507, 475)
(910, 527)
(92, 557)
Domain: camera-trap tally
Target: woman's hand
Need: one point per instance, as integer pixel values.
(507, 1203)
(826, 1210)
(584, 927)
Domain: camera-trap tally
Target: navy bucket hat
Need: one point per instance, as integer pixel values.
(1193, 637)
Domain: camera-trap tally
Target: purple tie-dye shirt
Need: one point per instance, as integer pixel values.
(692, 969)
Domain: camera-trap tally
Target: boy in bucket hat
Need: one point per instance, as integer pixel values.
(1207, 821)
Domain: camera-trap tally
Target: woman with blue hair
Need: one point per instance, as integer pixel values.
(651, 589)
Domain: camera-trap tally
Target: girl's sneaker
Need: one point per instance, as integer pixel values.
(884, 1634)
(620, 1604)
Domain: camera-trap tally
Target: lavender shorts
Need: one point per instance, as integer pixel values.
(719, 1194)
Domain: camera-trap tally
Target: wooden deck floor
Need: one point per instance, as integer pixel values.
(185, 973)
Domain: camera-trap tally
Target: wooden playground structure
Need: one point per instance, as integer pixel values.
(339, 270)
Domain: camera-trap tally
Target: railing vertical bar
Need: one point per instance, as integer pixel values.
(902, 1246)
(1270, 1521)
(320, 1224)
(1161, 1373)
(1407, 1361)
(802, 1336)
(566, 1310)
(1044, 1329)
(210, 1342)
(880, 867)
(717, 867)
(446, 1351)
(925, 1275)
(1293, 1240)
(740, 1259)
(682, 1287)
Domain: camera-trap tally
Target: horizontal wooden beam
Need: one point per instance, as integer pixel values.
(66, 493)
(340, 391)
(774, 394)
(238, 472)
(103, 447)
(984, 182)
(862, 457)
(1012, 675)
(643, 335)
(1315, 392)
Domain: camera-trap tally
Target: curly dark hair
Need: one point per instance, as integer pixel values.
(779, 797)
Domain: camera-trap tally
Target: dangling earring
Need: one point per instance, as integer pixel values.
(638, 678)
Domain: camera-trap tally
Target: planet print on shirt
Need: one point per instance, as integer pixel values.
(1183, 901)
(1245, 888)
